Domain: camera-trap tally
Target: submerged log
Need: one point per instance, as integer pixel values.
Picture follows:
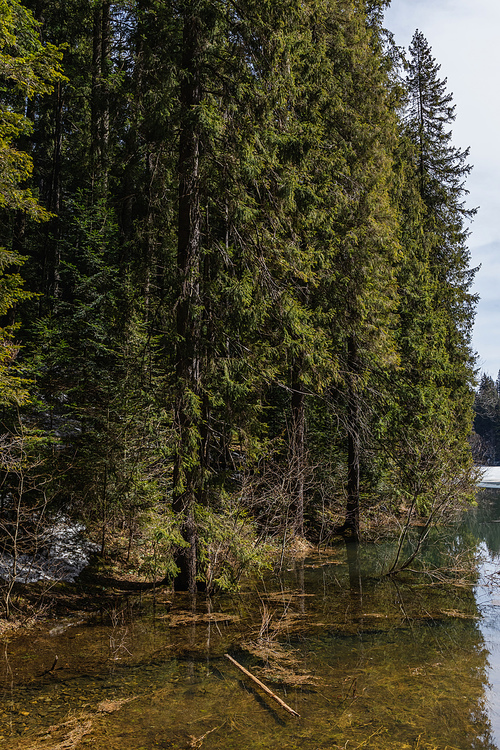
(262, 686)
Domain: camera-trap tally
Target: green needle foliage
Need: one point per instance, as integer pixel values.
(432, 405)
(28, 69)
(251, 298)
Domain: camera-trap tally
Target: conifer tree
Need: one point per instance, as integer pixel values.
(28, 69)
(432, 411)
(241, 314)
(356, 235)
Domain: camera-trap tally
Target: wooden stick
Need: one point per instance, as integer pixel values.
(263, 687)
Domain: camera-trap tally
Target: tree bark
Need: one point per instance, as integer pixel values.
(100, 97)
(51, 248)
(187, 460)
(351, 526)
(298, 444)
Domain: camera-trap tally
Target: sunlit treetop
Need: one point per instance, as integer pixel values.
(28, 68)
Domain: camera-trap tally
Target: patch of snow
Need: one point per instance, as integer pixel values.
(65, 554)
(490, 477)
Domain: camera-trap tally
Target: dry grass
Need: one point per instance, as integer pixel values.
(281, 663)
(189, 618)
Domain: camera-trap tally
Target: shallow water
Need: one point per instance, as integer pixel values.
(367, 662)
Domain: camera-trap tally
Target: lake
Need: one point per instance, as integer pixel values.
(367, 660)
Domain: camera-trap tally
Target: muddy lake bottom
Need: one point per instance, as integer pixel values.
(366, 660)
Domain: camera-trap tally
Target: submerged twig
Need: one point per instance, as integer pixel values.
(198, 741)
(263, 687)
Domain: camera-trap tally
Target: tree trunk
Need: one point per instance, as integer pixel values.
(187, 460)
(51, 250)
(298, 444)
(100, 97)
(351, 526)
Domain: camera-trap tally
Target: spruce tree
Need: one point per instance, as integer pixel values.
(431, 414)
(356, 233)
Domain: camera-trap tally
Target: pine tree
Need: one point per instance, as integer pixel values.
(431, 414)
(82, 331)
(238, 314)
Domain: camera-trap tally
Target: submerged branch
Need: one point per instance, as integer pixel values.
(263, 687)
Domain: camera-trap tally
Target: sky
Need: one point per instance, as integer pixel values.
(464, 37)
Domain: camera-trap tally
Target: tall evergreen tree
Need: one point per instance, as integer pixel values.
(432, 409)
(356, 233)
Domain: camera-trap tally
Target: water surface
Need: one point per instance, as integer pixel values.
(368, 661)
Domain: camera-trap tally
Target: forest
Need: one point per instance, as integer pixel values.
(485, 440)
(235, 283)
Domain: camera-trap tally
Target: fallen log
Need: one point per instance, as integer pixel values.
(262, 686)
